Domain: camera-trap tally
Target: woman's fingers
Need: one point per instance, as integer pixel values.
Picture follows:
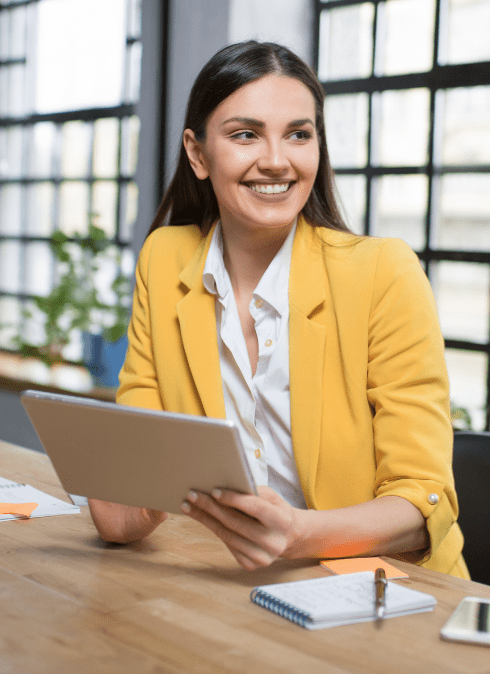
(246, 552)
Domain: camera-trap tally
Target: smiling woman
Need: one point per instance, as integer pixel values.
(323, 347)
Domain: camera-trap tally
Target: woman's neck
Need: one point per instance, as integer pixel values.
(248, 254)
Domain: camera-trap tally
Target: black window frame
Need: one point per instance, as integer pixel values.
(439, 77)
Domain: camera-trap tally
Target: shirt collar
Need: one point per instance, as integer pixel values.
(273, 287)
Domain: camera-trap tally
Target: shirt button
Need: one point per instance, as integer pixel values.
(268, 342)
(433, 499)
(257, 453)
(259, 303)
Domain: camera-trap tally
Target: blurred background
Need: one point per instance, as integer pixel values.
(92, 100)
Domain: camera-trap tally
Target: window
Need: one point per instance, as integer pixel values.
(69, 81)
(407, 85)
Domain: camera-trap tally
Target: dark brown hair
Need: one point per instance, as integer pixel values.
(189, 200)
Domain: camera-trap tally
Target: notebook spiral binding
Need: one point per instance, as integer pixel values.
(282, 608)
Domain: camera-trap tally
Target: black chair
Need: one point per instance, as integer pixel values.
(471, 465)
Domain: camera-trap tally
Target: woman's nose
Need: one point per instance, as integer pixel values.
(273, 158)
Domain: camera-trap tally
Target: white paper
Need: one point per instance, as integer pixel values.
(13, 492)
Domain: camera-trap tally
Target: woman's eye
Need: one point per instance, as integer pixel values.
(244, 135)
(302, 135)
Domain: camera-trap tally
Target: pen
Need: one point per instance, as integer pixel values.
(380, 593)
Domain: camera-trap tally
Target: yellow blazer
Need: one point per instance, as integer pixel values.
(368, 382)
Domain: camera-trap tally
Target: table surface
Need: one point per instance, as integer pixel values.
(178, 603)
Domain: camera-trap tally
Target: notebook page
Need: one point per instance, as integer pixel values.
(346, 597)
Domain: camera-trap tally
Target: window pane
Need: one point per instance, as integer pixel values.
(40, 197)
(129, 210)
(467, 380)
(4, 35)
(10, 317)
(134, 18)
(11, 152)
(133, 74)
(104, 206)
(466, 38)
(405, 36)
(10, 209)
(464, 113)
(83, 66)
(15, 75)
(352, 202)
(76, 147)
(346, 121)
(4, 92)
(464, 212)
(129, 144)
(37, 265)
(401, 127)
(346, 42)
(17, 41)
(106, 141)
(400, 205)
(74, 208)
(462, 293)
(10, 266)
(40, 143)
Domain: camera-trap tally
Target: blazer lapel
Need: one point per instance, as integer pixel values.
(197, 319)
(306, 353)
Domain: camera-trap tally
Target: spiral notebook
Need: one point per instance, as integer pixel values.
(338, 600)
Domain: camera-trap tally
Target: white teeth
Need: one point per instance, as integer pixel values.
(270, 189)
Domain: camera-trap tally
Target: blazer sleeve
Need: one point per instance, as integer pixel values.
(138, 384)
(408, 390)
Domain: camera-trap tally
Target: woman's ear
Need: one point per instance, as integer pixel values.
(195, 154)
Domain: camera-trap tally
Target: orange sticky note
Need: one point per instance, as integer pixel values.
(357, 564)
(23, 509)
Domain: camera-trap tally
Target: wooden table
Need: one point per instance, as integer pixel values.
(178, 603)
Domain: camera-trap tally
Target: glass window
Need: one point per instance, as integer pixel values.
(464, 212)
(464, 119)
(37, 262)
(104, 202)
(76, 149)
(401, 119)
(346, 42)
(74, 208)
(462, 291)
(409, 140)
(464, 31)
(467, 381)
(39, 209)
(352, 200)
(399, 207)
(405, 36)
(106, 146)
(84, 66)
(346, 122)
(10, 209)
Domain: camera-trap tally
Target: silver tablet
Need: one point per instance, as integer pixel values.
(136, 456)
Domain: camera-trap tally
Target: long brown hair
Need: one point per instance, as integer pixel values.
(189, 200)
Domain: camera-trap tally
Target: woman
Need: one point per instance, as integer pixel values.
(324, 347)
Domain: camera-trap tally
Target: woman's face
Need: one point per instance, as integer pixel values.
(260, 152)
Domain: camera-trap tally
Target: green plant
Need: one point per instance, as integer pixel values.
(75, 301)
(461, 419)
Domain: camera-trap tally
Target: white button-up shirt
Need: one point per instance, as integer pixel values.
(260, 404)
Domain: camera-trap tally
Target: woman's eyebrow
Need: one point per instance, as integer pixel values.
(250, 121)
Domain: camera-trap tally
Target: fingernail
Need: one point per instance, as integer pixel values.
(185, 507)
(192, 496)
(216, 493)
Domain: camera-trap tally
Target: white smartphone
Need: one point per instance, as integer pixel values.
(470, 622)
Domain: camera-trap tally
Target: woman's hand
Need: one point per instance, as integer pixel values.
(256, 529)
